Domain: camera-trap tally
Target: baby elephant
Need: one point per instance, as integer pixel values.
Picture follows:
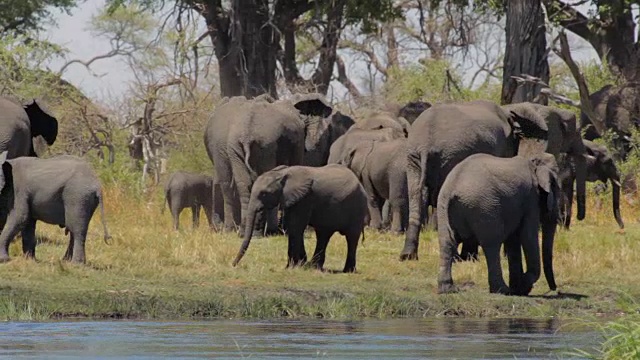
(62, 190)
(328, 198)
(493, 201)
(188, 190)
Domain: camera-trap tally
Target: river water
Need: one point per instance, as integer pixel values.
(438, 338)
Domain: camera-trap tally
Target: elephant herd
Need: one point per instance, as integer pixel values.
(492, 175)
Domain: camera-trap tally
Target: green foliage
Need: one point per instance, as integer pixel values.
(621, 340)
(190, 155)
(23, 16)
(434, 81)
(369, 14)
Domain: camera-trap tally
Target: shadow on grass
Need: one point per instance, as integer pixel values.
(561, 295)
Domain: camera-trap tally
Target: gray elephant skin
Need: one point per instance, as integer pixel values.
(62, 190)
(194, 191)
(381, 167)
(330, 199)
(245, 138)
(494, 201)
(373, 120)
(563, 138)
(19, 124)
(446, 134)
(618, 107)
(356, 136)
(600, 167)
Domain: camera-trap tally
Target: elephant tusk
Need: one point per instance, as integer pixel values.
(616, 182)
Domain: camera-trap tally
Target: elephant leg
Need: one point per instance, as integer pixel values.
(218, 205)
(531, 247)
(352, 236)
(432, 224)
(415, 171)
(469, 250)
(566, 206)
(387, 217)
(375, 209)
(296, 220)
(513, 250)
(29, 239)
(496, 280)
(399, 217)
(448, 249)
(175, 214)
(208, 213)
(79, 256)
(195, 215)
(14, 224)
(68, 255)
(322, 237)
(231, 207)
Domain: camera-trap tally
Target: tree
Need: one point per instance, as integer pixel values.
(249, 36)
(23, 16)
(526, 51)
(611, 30)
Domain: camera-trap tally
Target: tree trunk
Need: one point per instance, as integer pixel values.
(245, 45)
(525, 51)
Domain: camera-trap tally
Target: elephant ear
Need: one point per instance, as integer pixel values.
(526, 121)
(295, 187)
(546, 176)
(313, 105)
(42, 122)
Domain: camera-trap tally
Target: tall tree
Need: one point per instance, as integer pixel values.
(526, 50)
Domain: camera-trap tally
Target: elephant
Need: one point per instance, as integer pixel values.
(411, 110)
(563, 137)
(618, 107)
(493, 201)
(245, 138)
(329, 198)
(62, 190)
(19, 124)
(382, 169)
(195, 191)
(446, 134)
(355, 136)
(600, 166)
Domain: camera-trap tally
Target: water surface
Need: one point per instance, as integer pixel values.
(384, 339)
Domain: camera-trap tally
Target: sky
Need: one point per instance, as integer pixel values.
(72, 32)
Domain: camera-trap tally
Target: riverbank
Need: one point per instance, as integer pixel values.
(152, 272)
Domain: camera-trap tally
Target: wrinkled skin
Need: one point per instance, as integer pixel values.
(62, 190)
(245, 138)
(619, 109)
(492, 201)
(356, 136)
(194, 191)
(563, 138)
(446, 134)
(381, 167)
(19, 124)
(600, 167)
(330, 199)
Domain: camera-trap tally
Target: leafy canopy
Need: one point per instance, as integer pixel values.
(22, 16)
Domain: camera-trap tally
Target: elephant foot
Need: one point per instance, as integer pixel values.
(349, 269)
(78, 260)
(447, 288)
(503, 289)
(412, 255)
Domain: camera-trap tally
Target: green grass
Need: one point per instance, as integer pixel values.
(151, 271)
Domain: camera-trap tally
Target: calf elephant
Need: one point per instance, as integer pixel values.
(600, 166)
(382, 119)
(195, 191)
(381, 167)
(19, 124)
(493, 201)
(446, 134)
(62, 190)
(328, 198)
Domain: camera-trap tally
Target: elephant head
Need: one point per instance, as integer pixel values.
(545, 171)
(563, 137)
(275, 187)
(323, 126)
(602, 167)
(42, 122)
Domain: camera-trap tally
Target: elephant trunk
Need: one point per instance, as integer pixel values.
(616, 201)
(548, 235)
(248, 232)
(581, 186)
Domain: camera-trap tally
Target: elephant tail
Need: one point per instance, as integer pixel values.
(107, 237)
(246, 147)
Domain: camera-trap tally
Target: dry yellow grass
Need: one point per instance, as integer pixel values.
(152, 271)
